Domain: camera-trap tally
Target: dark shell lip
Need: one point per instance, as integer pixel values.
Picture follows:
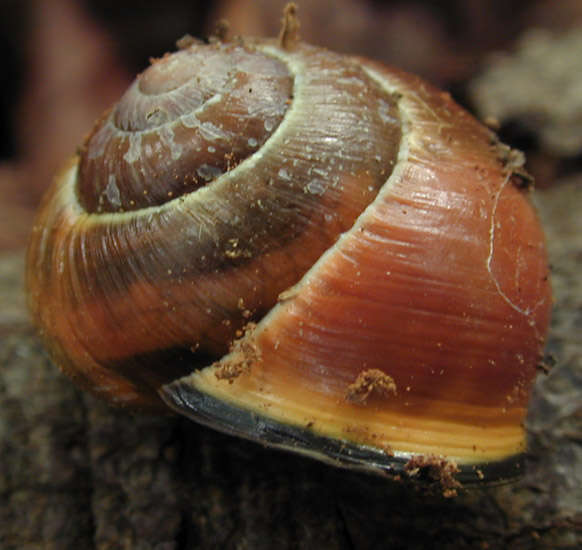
(222, 416)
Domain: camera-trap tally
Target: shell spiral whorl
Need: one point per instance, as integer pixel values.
(368, 225)
(204, 249)
(181, 124)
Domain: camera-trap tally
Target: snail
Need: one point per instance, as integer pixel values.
(306, 249)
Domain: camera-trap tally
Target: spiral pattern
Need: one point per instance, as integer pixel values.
(173, 281)
(185, 121)
(334, 252)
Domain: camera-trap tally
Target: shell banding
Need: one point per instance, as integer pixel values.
(303, 248)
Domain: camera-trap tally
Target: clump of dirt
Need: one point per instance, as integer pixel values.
(368, 382)
(243, 354)
(435, 470)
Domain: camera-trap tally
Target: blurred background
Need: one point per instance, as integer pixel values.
(512, 62)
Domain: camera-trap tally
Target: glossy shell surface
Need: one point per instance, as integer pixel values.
(362, 279)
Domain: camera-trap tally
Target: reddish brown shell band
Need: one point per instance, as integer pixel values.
(409, 291)
(110, 290)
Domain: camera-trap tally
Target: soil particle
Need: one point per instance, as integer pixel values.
(435, 469)
(243, 354)
(368, 382)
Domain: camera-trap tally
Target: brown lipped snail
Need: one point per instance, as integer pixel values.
(302, 248)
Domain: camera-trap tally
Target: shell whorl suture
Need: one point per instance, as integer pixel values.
(307, 249)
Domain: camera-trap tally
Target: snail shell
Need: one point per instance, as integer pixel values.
(306, 249)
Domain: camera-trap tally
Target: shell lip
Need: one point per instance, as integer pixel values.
(224, 417)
